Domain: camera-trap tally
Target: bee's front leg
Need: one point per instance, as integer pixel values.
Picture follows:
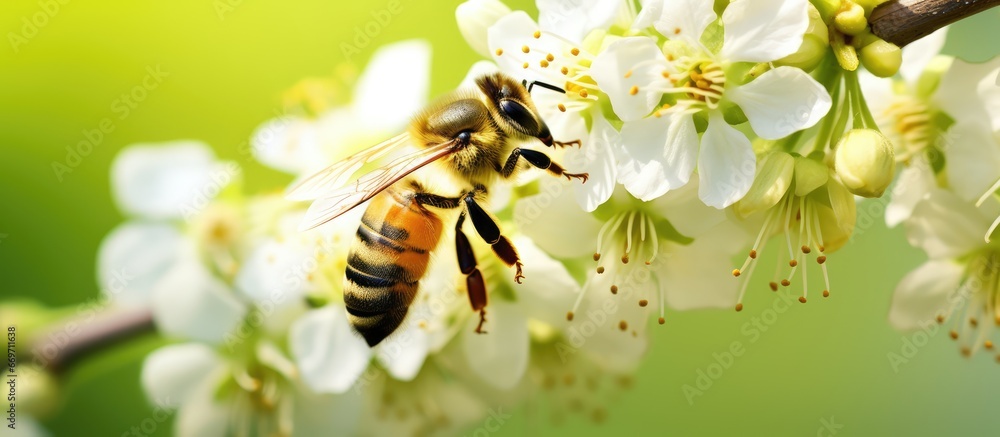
(540, 160)
(576, 143)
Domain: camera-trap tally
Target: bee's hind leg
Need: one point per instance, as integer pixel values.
(486, 226)
(474, 283)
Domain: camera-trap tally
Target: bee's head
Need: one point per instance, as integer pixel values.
(513, 110)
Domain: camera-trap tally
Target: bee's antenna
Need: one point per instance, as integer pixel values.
(541, 84)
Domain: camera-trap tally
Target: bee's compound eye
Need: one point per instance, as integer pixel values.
(464, 137)
(520, 116)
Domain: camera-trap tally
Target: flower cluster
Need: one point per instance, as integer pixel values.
(710, 130)
(768, 103)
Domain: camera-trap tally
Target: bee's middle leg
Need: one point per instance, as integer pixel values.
(540, 160)
(487, 227)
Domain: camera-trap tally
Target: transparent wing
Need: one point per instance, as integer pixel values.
(339, 174)
(333, 204)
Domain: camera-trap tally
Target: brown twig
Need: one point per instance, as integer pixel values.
(66, 343)
(904, 21)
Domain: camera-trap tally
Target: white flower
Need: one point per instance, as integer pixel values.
(393, 87)
(155, 183)
(644, 259)
(917, 113)
(260, 395)
(801, 199)
(635, 74)
(533, 52)
(434, 403)
(960, 281)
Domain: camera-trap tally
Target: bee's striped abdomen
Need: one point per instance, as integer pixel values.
(389, 256)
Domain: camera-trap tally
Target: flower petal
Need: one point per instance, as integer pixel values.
(945, 226)
(657, 154)
(330, 356)
(781, 101)
(474, 17)
(686, 213)
(690, 278)
(595, 329)
(289, 143)
(630, 65)
(685, 19)
(277, 269)
(918, 54)
(202, 415)
(133, 258)
(501, 357)
(548, 289)
(166, 180)
(574, 20)
(397, 73)
(973, 157)
(969, 91)
(649, 12)
(191, 303)
(924, 294)
(915, 181)
(543, 217)
(172, 374)
(596, 158)
(403, 353)
(327, 414)
(726, 164)
(763, 30)
(774, 176)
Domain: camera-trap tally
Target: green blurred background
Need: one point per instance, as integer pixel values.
(823, 361)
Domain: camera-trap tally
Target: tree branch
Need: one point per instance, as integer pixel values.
(904, 21)
(66, 343)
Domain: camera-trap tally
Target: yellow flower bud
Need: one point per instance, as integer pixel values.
(851, 20)
(869, 5)
(881, 58)
(846, 55)
(773, 178)
(865, 162)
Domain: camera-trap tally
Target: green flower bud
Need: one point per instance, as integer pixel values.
(827, 8)
(882, 58)
(865, 162)
(773, 178)
(732, 113)
(814, 44)
(851, 20)
(810, 174)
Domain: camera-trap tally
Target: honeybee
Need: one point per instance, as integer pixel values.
(474, 136)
